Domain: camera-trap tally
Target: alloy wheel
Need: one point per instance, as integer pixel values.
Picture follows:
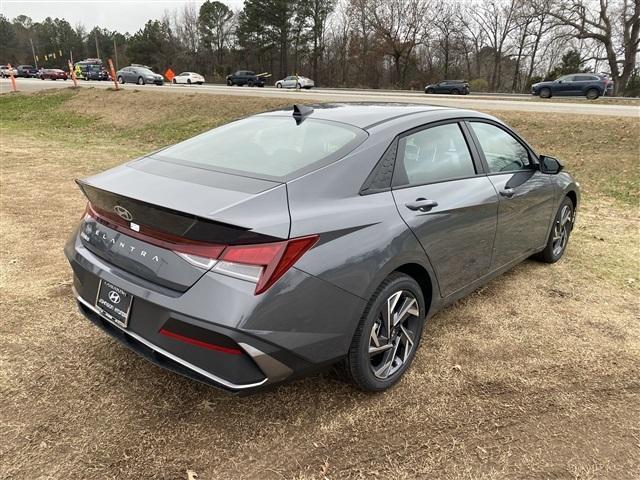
(561, 230)
(392, 338)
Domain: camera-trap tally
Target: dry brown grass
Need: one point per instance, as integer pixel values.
(533, 376)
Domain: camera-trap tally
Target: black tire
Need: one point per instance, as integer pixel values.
(429, 91)
(189, 81)
(121, 80)
(559, 234)
(174, 81)
(140, 81)
(229, 83)
(249, 83)
(359, 366)
(298, 86)
(455, 92)
(278, 85)
(545, 93)
(592, 94)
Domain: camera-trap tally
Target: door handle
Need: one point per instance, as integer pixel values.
(507, 192)
(421, 205)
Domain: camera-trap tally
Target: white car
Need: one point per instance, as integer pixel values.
(189, 78)
(4, 71)
(295, 81)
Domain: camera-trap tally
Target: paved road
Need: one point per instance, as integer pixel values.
(352, 95)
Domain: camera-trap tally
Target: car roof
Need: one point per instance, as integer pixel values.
(361, 115)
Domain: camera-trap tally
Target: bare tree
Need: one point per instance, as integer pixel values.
(615, 24)
(400, 26)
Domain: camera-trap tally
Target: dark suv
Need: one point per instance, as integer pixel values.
(27, 71)
(589, 85)
(245, 77)
(453, 87)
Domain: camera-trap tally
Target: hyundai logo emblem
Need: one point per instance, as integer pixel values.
(114, 297)
(123, 213)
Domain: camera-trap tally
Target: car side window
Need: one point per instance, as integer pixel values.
(503, 152)
(433, 155)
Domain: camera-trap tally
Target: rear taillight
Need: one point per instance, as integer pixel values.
(265, 263)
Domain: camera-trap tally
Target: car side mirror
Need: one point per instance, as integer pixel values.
(550, 165)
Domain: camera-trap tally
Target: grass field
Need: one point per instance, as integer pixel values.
(535, 375)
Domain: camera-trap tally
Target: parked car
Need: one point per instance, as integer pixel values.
(590, 85)
(139, 74)
(53, 74)
(290, 240)
(295, 81)
(5, 71)
(245, 77)
(453, 87)
(27, 71)
(96, 72)
(189, 78)
(89, 68)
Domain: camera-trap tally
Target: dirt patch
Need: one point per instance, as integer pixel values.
(533, 376)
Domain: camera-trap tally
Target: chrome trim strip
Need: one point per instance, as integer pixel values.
(171, 356)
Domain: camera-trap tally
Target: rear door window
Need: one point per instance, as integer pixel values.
(433, 155)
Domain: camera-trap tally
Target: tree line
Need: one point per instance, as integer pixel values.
(498, 45)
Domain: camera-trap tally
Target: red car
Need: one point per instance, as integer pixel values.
(53, 74)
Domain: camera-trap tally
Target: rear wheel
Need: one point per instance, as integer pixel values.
(592, 93)
(545, 93)
(388, 335)
(454, 92)
(559, 235)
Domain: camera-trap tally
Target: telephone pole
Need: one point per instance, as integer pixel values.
(33, 51)
(97, 51)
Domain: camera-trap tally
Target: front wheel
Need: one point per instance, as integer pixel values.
(278, 85)
(545, 93)
(121, 80)
(189, 81)
(388, 335)
(174, 81)
(229, 83)
(454, 92)
(140, 81)
(559, 235)
(592, 93)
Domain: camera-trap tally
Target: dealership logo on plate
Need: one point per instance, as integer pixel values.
(114, 297)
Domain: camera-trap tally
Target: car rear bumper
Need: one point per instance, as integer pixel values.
(220, 333)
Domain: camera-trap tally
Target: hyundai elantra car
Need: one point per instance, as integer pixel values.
(302, 238)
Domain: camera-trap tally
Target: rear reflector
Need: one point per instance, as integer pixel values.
(200, 343)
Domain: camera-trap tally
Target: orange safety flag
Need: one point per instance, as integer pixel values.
(169, 74)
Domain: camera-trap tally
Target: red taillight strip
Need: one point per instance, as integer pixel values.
(157, 238)
(200, 343)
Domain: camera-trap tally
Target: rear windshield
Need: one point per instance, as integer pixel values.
(268, 147)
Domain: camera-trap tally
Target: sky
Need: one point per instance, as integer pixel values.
(120, 15)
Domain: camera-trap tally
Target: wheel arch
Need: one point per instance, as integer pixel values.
(423, 278)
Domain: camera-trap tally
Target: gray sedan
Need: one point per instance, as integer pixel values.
(138, 74)
(296, 239)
